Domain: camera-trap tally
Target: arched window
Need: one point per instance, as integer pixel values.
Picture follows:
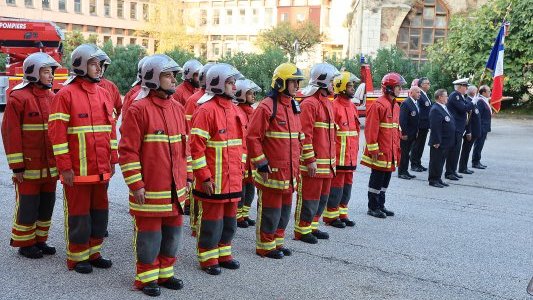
(426, 23)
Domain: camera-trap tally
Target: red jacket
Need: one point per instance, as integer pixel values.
(278, 142)
(247, 111)
(128, 99)
(113, 91)
(24, 133)
(217, 149)
(183, 92)
(191, 105)
(318, 125)
(154, 155)
(382, 135)
(347, 133)
(81, 128)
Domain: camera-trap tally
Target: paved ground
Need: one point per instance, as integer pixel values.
(473, 240)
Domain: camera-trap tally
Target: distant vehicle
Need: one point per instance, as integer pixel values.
(21, 37)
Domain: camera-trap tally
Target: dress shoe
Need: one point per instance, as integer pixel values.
(46, 249)
(31, 252)
(321, 235)
(242, 224)
(443, 183)
(417, 169)
(285, 251)
(101, 263)
(412, 176)
(83, 267)
(483, 166)
(423, 168)
(387, 212)
(275, 254)
(309, 238)
(213, 270)
(250, 221)
(404, 176)
(457, 175)
(467, 171)
(337, 224)
(172, 283)
(230, 264)
(151, 289)
(348, 222)
(376, 213)
(436, 184)
(451, 177)
(478, 166)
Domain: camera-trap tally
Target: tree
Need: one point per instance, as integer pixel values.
(3, 62)
(471, 37)
(123, 68)
(284, 35)
(72, 40)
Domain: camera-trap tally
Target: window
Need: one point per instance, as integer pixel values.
(229, 16)
(423, 26)
(107, 8)
(61, 5)
(46, 4)
(106, 30)
(268, 16)
(63, 26)
(120, 8)
(216, 17)
(119, 31)
(91, 28)
(120, 41)
(28, 3)
(106, 38)
(77, 27)
(300, 17)
(284, 17)
(203, 17)
(92, 7)
(133, 10)
(11, 2)
(77, 6)
(285, 3)
(242, 15)
(145, 43)
(216, 49)
(146, 14)
(133, 41)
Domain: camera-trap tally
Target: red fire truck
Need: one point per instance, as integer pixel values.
(21, 37)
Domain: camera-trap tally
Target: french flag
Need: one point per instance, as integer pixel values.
(495, 64)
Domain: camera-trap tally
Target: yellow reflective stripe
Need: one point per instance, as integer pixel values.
(15, 158)
(59, 116)
(378, 163)
(282, 135)
(60, 149)
(147, 276)
(324, 125)
(244, 156)
(388, 125)
(162, 194)
(224, 251)
(199, 163)
(314, 225)
(95, 249)
(22, 227)
(78, 256)
(43, 223)
(258, 158)
(166, 272)
(162, 138)
(34, 127)
(308, 147)
(114, 144)
(372, 147)
(330, 214)
(23, 237)
(302, 230)
(151, 207)
(41, 233)
(228, 143)
(207, 255)
(325, 161)
(343, 210)
(318, 170)
(53, 172)
(302, 136)
(347, 133)
(280, 241)
(32, 174)
(133, 178)
(130, 166)
(189, 159)
(188, 117)
(271, 183)
(89, 129)
(200, 132)
(342, 153)
(265, 246)
(308, 155)
(82, 154)
(218, 170)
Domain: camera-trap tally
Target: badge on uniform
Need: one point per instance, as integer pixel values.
(83, 116)
(33, 114)
(447, 119)
(457, 97)
(159, 131)
(413, 113)
(345, 124)
(476, 111)
(222, 131)
(427, 103)
(282, 123)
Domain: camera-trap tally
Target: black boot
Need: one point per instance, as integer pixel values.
(242, 224)
(250, 221)
(376, 213)
(83, 267)
(387, 212)
(285, 251)
(321, 235)
(212, 270)
(187, 210)
(275, 254)
(172, 283)
(31, 252)
(232, 264)
(309, 238)
(106, 234)
(101, 263)
(382, 205)
(151, 289)
(373, 206)
(46, 249)
(348, 222)
(337, 224)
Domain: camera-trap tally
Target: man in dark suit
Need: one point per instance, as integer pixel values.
(473, 132)
(409, 113)
(441, 139)
(458, 108)
(424, 105)
(485, 114)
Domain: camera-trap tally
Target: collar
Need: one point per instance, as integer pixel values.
(158, 101)
(89, 87)
(37, 91)
(443, 106)
(284, 99)
(188, 86)
(343, 100)
(321, 97)
(225, 102)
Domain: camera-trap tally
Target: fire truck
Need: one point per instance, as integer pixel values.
(18, 39)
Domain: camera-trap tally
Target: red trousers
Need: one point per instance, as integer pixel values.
(216, 227)
(312, 198)
(273, 213)
(156, 242)
(339, 196)
(33, 212)
(86, 216)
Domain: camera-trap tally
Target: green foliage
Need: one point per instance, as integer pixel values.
(3, 62)
(392, 60)
(471, 37)
(123, 68)
(283, 36)
(258, 67)
(72, 40)
(180, 56)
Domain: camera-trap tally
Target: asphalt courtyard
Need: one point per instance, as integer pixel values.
(472, 240)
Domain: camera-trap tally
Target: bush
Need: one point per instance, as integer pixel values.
(3, 62)
(123, 68)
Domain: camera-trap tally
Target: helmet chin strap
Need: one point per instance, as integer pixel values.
(91, 79)
(195, 84)
(43, 86)
(169, 92)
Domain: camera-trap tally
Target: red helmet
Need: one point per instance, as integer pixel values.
(391, 80)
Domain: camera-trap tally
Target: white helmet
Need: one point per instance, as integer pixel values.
(243, 86)
(105, 61)
(32, 65)
(191, 67)
(203, 73)
(321, 76)
(152, 69)
(216, 80)
(139, 70)
(79, 58)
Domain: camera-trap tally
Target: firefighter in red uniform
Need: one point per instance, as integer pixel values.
(318, 157)
(135, 88)
(190, 83)
(218, 155)
(274, 143)
(111, 88)
(245, 96)
(153, 158)
(30, 156)
(347, 145)
(382, 150)
(81, 128)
